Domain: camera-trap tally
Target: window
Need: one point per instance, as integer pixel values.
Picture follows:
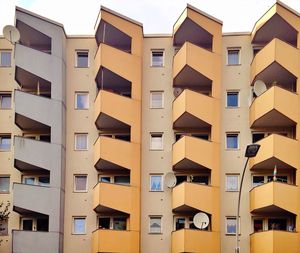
(156, 183)
(232, 183)
(80, 183)
(5, 58)
(233, 56)
(156, 141)
(155, 224)
(82, 59)
(36, 180)
(232, 99)
(157, 59)
(116, 223)
(81, 141)
(4, 227)
(232, 140)
(4, 184)
(5, 141)
(5, 101)
(156, 99)
(79, 226)
(35, 224)
(122, 180)
(231, 225)
(81, 100)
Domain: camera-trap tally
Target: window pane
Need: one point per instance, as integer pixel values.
(180, 223)
(82, 59)
(81, 141)
(122, 179)
(232, 99)
(104, 223)
(79, 225)
(104, 179)
(5, 101)
(155, 224)
(257, 180)
(82, 101)
(233, 57)
(44, 181)
(156, 183)
(5, 142)
(156, 141)
(157, 58)
(119, 223)
(232, 183)
(80, 183)
(231, 225)
(5, 59)
(156, 99)
(232, 141)
(4, 184)
(27, 225)
(29, 180)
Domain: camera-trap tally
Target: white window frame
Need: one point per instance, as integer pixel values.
(36, 179)
(5, 135)
(5, 94)
(5, 50)
(238, 140)
(76, 57)
(34, 223)
(232, 217)
(73, 225)
(151, 99)
(238, 98)
(238, 182)
(8, 190)
(161, 182)
(88, 99)
(162, 141)
(155, 217)
(163, 57)
(74, 182)
(239, 56)
(75, 141)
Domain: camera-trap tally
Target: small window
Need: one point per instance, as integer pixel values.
(156, 99)
(5, 58)
(156, 183)
(231, 225)
(81, 141)
(5, 142)
(232, 140)
(179, 223)
(82, 59)
(80, 183)
(4, 184)
(257, 137)
(5, 101)
(156, 141)
(157, 59)
(81, 100)
(232, 99)
(232, 183)
(258, 180)
(104, 179)
(119, 223)
(122, 180)
(233, 56)
(79, 225)
(155, 225)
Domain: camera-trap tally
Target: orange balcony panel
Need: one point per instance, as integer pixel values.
(193, 110)
(192, 240)
(184, 196)
(189, 55)
(124, 64)
(117, 197)
(105, 240)
(274, 241)
(276, 150)
(275, 55)
(274, 195)
(191, 152)
(123, 113)
(271, 108)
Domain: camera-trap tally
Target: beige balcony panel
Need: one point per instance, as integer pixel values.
(105, 240)
(276, 150)
(273, 241)
(191, 240)
(274, 194)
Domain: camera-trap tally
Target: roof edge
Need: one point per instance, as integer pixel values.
(158, 35)
(236, 34)
(205, 14)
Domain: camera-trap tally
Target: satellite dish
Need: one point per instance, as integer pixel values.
(201, 220)
(259, 87)
(177, 91)
(170, 180)
(11, 33)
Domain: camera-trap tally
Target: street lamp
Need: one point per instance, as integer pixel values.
(251, 151)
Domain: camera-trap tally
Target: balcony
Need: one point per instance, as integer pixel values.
(33, 241)
(115, 241)
(271, 196)
(123, 114)
(114, 197)
(189, 71)
(271, 109)
(111, 154)
(276, 150)
(193, 153)
(277, 61)
(189, 240)
(183, 197)
(274, 241)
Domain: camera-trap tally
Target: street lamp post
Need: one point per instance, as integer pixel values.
(251, 151)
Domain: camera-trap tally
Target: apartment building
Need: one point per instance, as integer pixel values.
(115, 142)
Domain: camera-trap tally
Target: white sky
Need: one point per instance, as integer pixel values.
(157, 16)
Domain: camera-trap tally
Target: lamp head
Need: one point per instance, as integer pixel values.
(252, 150)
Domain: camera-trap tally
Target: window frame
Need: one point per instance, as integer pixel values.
(75, 142)
(6, 51)
(88, 100)
(238, 182)
(155, 217)
(238, 140)
(76, 58)
(237, 92)
(161, 182)
(5, 136)
(73, 225)
(74, 183)
(239, 56)
(5, 94)
(163, 57)
(232, 217)
(8, 190)
(162, 141)
(151, 106)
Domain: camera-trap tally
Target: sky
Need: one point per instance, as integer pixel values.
(157, 16)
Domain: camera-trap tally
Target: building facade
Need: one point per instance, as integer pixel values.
(114, 142)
